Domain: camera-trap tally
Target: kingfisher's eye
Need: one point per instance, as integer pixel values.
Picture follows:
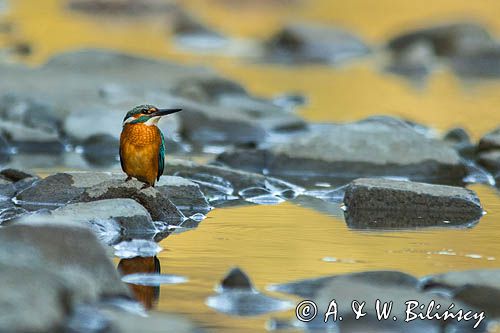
(145, 111)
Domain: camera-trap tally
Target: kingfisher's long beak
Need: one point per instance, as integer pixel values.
(164, 112)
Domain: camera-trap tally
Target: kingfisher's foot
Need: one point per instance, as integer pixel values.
(128, 179)
(145, 186)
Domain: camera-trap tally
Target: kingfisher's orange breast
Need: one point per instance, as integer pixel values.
(139, 151)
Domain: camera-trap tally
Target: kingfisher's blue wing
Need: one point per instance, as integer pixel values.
(161, 157)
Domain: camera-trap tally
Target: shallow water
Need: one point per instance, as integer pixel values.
(275, 244)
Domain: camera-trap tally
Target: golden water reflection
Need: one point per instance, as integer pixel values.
(282, 243)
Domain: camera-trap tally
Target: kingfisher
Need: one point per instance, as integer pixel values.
(142, 145)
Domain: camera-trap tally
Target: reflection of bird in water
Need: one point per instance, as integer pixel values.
(142, 146)
(147, 295)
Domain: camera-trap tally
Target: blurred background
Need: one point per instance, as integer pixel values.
(432, 62)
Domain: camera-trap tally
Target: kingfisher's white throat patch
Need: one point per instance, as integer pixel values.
(152, 121)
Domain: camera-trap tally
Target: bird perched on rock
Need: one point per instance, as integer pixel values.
(142, 146)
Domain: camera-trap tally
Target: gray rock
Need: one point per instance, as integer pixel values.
(237, 297)
(490, 160)
(221, 183)
(482, 63)
(157, 204)
(86, 270)
(309, 287)
(33, 300)
(384, 203)
(232, 123)
(448, 39)
(28, 122)
(101, 150)
(373, 147)
(191, 32)
(457, 136)
(478, 288)
(130, 215)
(13, 181)
(491, 140)
(59, 189)
(184, 194)
(303, 43)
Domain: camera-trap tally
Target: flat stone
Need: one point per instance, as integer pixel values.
(372, 147)
(384, 203)
(490, 140)
(184, 194)
(130, 215)
(304, 43)
(59, 189)
(157, 204)
(478, 288)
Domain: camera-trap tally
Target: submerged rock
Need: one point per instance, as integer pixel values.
(372, 147)
(447, 40)
(384, 203)
(236, 296)
(303, 43)
(222, 184)
(477, 288)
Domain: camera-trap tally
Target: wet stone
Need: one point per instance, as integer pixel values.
(304, 43)
(184, 194)
(415, 61)
(59, 189)
(157, 204)
(385, 203)
(130, 215)
(354, 150)
(191, 32)
(234, 297)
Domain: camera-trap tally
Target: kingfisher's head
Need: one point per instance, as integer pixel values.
(146, 114)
